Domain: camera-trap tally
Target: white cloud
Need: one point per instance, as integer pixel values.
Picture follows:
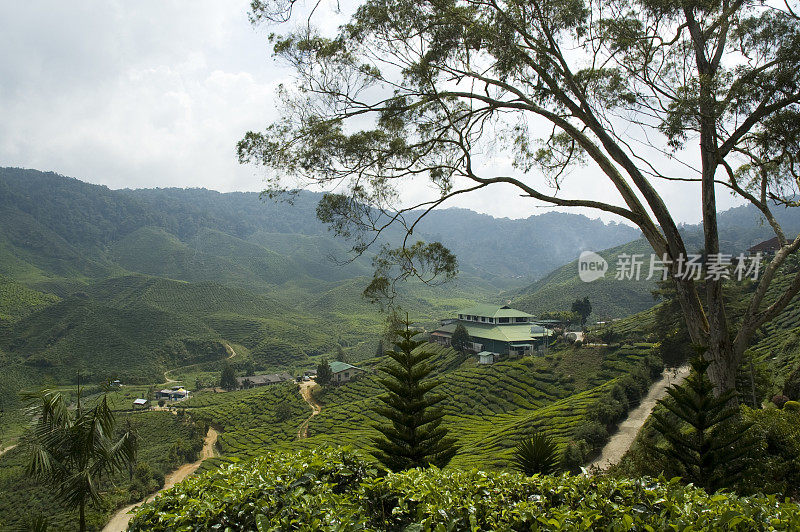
(157, 93)
(134, 94)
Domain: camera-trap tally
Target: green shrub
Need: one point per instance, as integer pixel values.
(773, 467)
(537, 454)
(793, 406)
(324, 489)
(635, 388)
(607, 411)
(791, 388)
(592, 433)
(575, 456)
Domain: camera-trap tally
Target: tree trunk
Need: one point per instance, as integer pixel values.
(82, 512)
(724, 364)
(711, 334)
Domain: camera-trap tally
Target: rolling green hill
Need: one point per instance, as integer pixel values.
(17, 301)
(489, 409)
(610, 297)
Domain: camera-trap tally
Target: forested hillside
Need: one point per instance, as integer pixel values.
(150, 286)
(58, 226)
(98, 283)
(611, 298)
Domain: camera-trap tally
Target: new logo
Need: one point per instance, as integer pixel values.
(591, 266)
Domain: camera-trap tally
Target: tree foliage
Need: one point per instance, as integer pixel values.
(324, 372)
(791, 388)
(583, 308)
(704, 437)
(415, 90)
(536, 454)
(411, 431)
(227, 379)
(71, 449)
(460, 339)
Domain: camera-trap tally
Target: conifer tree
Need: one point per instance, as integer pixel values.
(583, 307)
(411, 435)
(227, 380)
(460, 339)
(324, 372)
(703, 436)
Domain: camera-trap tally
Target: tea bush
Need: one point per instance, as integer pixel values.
(335, 489)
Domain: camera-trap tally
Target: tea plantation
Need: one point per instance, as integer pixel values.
(335, 489)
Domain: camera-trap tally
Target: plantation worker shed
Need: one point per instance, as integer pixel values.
(263, 380)
(500, 330)
(485, 357)
(178, 393)
(343, 372)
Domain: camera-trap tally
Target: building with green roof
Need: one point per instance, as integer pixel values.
(343, 372)
(500, 330)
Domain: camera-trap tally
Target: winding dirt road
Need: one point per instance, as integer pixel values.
(316, 408)
(4, 450)
(228, 348)
(622, 440)
(120, 521)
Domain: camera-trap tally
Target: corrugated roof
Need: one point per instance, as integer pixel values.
(494, 311)
(502, 333)
(773, 244)
(337, 366)
(270, 378)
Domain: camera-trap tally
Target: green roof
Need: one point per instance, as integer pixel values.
(337, 366)
(502, 333)
(494, 311)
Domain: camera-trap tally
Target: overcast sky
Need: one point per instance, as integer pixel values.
(157, 93)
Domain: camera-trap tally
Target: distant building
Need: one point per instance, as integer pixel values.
(342, 372)
(485, 357)
(139, 402)
(574, 336)
(767, 247)
(176, 393)
(496, 330)
(263, 380)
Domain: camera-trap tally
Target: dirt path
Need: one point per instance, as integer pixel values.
(228, 348)
(622, 440)
(4, 450)
(120, 521)
(316, 408)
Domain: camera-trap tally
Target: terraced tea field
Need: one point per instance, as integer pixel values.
(250, 420)
(487, 408)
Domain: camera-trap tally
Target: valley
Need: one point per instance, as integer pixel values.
(165, 288)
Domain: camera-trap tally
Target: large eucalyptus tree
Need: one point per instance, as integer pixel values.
(416, 88)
